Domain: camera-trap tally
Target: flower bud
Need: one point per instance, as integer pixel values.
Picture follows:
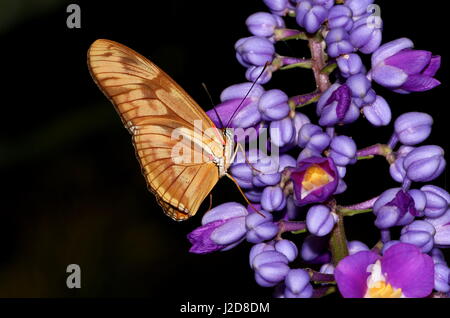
(419, 233)
(273, 199)
(350, 64)
(338, 42)
(424, 163)
(313, 137)
(413, 128)
(356, 246)
(442, 226)
(343, 150)
(310, 16)
(358, 7)
(288, 248)
(258, 74)
(396, 169)
(297, 284)
(254, 50)
(314, 250)
(263, 24)
(282, 132)
(340, 16)
(278, 7)
(270, 268)
(273, 105)
(336, 106)
(320, 220)
(441, 278)
(378, 113)
(366, 34)
(437, 201)
(260, 227)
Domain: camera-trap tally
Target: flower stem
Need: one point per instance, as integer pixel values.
(318, 56)
(348, 212)
(320, 277)
(305, 99)
(323, 291)
(338, 240)
(361, 206)
(290, 226)
(289, 34)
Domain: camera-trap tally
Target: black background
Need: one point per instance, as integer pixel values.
(72, 191)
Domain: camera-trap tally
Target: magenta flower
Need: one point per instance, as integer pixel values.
(397, 66)
(402, 272)
(315, 180)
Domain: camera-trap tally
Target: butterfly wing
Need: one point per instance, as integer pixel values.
(152, 106)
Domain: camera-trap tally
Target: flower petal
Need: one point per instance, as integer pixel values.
(420, 83)
(351, 274)
(389, 76)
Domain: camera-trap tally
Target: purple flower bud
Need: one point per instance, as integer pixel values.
(366, 34)
(277, 6)
(314, 250)
(327, 4)
(441, 278)
(313, 137)
(343, 150)
(273, 199)
(340, 16)
(308, 153)
(254, 195)
(286, 161)
(265, 172)
(222, 227)
(310, 16)
(273, 105)
(260, 228)
(254, 50)
(350, 64)
(320, 220)
(437, 201)
(438, 256)
(297, 284)
(442, 226)
(356, 246)
(258, 249)
(299, 121)
(259, 74)
(231, 97)
(336, 106)
(396, 66)
(413, 128)
(338, 42)
(388, 245)
(288, 248)
(392, 206)
(327, 269)
(263, 24)
(419, 233)
(270, 268)
(424, 163)
(359, 85)
(315, 179)
(282, 132)
(358, 7)
(396, 169)
(378, 113)
(341, 188)
(420, 201)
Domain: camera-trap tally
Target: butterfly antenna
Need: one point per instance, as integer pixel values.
(243, 194)
(212, 103)
(246, 95)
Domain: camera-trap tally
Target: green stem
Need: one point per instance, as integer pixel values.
(349, 212)
(365, 157)
(338, 240)
(306, 64)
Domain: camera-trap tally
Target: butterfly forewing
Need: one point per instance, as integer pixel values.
(152, 106)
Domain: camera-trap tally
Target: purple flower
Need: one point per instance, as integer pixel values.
(350, 64)
(356, 247)
(340, 16)
(282, 132)
(358, 7)
(403, 271)
(394, 207)
(336, 106)
(260, 227)
(366, 33)
(263, 24)
(424, 163)
(271, 267)
(413, 128)
(223, 227)
(273, 199)
(273, 105)
(310, 16)
(437, 201)
(397, 66)
(343, 150)
(320, 220)
(378, 113)
(396, 169)
(313, 137)
(259, 74)
(286, 161)
(314, 250)
(254, 50)
(338, 42)
(278, 7)
(442, 227)
(231, 97)
(419, 233)
(441, 278)
(315, 179)
(288, 248)
(297, 284)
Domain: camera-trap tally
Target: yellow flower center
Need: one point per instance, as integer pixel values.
(383, 290)
(315, 177)
(377, 287)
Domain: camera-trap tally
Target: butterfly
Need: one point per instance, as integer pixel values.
(153, 107)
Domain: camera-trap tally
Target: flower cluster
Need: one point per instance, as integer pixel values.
(293, 178)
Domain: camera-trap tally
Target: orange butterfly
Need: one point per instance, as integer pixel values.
(153, 108)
